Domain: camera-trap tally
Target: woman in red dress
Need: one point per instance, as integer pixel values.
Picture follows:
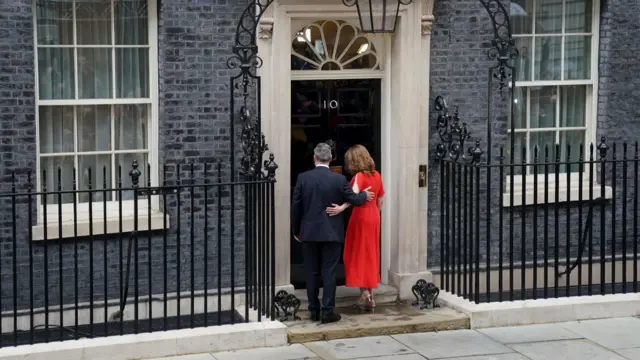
(362, 241)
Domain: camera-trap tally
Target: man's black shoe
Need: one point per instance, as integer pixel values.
(331, 318)
(314, 316)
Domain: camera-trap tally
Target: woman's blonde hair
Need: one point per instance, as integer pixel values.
(358, 160)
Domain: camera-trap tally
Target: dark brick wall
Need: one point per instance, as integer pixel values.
(195, 39)
(461, 37)
(17, 112)
(459, 72)
(17, 120)
(619, 68)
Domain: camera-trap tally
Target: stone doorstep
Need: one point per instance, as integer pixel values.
(386, 320)
(346, 296)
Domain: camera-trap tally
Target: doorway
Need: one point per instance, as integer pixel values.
(340, 112)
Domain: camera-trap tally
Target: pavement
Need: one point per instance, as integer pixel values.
(607, 339)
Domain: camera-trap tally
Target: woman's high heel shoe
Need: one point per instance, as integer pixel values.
(365, 297)
(370, 304)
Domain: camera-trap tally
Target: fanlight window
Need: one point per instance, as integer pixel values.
(332, 45)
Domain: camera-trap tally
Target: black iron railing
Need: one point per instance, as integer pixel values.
(150, 258)
(552, 226)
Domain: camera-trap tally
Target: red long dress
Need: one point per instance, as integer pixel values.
(362, 241)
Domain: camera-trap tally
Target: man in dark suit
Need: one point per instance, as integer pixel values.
(321, 235)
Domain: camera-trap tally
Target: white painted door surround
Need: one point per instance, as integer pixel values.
(405, 109)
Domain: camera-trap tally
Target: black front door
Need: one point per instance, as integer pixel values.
(345, 112)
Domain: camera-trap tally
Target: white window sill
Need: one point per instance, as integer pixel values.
(567, 191)
(83, 227)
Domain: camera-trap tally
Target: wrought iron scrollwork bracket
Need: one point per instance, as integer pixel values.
(427, 292)
(289, 304)
(245, 58)
(503, 46)
(254, 146)
(453, 136)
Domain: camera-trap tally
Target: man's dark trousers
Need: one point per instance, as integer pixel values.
(321, 260)
(321, 235)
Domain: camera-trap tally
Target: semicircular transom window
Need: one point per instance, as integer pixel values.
(332, 45)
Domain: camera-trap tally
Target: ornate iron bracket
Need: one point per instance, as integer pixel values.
(288, 303)
(245, 58)
(503, 48)
(453, 135)
(254, 146)
(427, 292)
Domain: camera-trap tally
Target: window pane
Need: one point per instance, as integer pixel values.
(521, 16)
(543, 107)
(131, 22)
(572, 106)
(94, 173)
(131, 127)
(549, 16)
(538, 142)
(55, 22)
(578, 16)
(94, 73)
(520, 143)
(570, 142)
(55, 74)
(523, 61)
(125, 161)
(93, 19)
(545, 144)
(520, 105)
(56, 129)
(49, 172)
(132, 69)
(548, 58)
(577, 57)
(94, 128)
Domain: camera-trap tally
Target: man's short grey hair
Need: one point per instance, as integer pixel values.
(323, 152)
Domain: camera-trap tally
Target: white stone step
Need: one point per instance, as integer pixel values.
(346, 296)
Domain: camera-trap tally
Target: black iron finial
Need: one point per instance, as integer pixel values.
(135, 174)
(603, 148)
(270, 167)
(476, 153)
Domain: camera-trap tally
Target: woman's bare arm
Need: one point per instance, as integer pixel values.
(337, 209)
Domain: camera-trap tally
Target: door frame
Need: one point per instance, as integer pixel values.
(360, 75)
(276, 76)
(385, 114)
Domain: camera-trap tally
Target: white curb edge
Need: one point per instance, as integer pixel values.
(157, 345)
(543, 311)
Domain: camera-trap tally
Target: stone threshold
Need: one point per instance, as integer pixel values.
(388, 319)
(347, 296)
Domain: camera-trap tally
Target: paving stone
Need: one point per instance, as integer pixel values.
(396, 357)
(190, 357)
(530, 333)
(631, 354)
(293, 352)
(448, 344)
(565, 350)
(358, 348)
(618, 333)
(512, 356)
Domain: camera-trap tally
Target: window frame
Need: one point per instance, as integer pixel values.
(566, 188)
(113, 206)
(591, 93)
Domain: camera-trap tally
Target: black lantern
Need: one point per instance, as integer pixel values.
(377, 16)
